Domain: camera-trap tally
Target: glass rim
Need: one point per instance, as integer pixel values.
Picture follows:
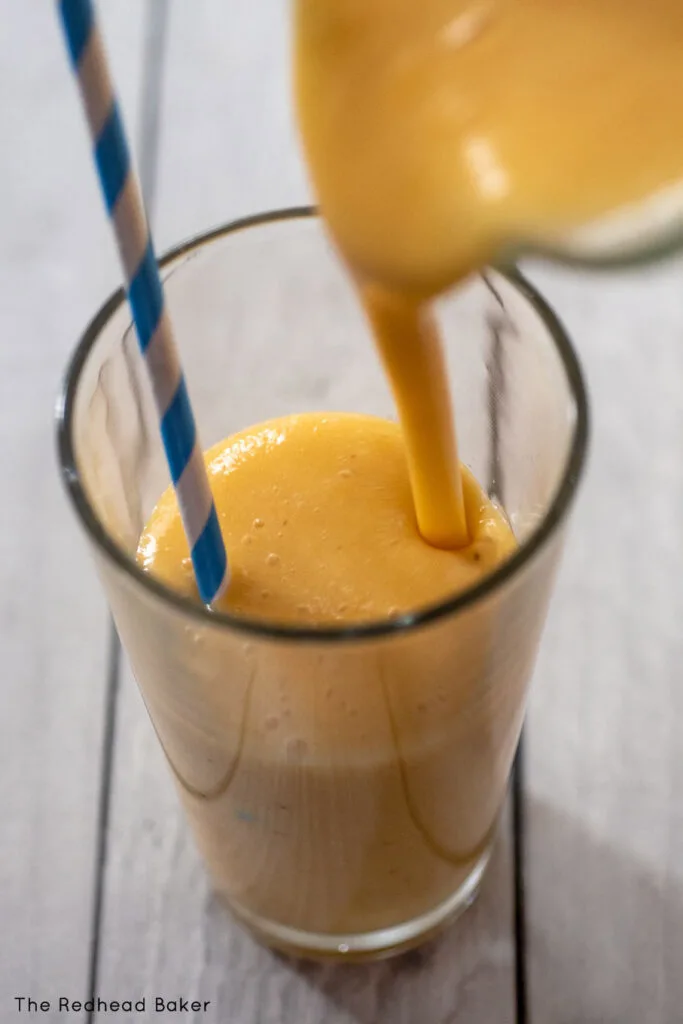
(524, 555)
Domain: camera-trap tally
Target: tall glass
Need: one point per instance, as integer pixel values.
(343, 784)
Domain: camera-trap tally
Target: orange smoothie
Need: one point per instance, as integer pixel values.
(335, 791)
(317, 514)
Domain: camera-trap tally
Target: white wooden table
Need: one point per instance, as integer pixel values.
(100, 888)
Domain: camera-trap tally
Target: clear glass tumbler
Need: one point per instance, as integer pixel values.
(343, 784)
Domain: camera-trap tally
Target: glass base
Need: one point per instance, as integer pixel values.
(376, 945)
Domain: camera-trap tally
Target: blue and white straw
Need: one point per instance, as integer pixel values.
(146, 297)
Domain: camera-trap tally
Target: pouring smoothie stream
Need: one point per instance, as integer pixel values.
(443, 134)
(363, 781)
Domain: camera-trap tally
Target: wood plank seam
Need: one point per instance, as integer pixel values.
(496, 486)
(519, 893)
(148, 149)
(156, 44)
(103, 810)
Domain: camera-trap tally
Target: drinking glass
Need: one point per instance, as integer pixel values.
(344, 782)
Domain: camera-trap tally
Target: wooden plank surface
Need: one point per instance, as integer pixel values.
(605, 758)
(227, 149)
(56, 264)
(605, 768)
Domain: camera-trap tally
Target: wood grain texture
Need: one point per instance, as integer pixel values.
(228, 149)
(57, 263)
(605, 758)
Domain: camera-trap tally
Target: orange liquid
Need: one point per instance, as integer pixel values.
(440, 133)
(348, 787)
(317, 515)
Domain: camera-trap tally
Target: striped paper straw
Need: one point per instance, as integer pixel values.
(146, 297)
